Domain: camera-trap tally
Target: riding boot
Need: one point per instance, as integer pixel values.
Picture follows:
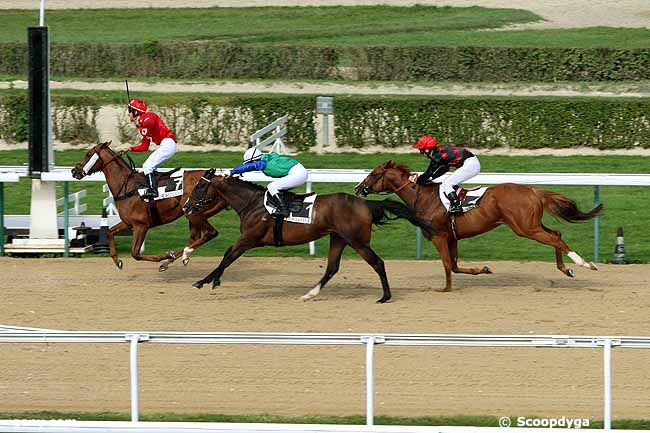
(282, 210)
(152, 190)
(454, 203)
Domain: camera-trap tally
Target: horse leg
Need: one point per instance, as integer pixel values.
(231, 254)
(337, 244)
(208, 232)
(453, 253)
(139, 233)
(117, 228)
(553, 238)
(377, 264)
(442, 245)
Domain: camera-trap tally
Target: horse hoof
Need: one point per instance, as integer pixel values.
(486, 270)
(593, 266)
(383, 300)
(186, 261)
(162, 268)
(215, 284)
(570, 273)
(443, 290)
(119, 264)
(170, 255)
(197, 285)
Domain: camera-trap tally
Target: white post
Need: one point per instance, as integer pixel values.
(41, 20)
(607, 371)
(370, 382)
(134, 375)
(312, 244)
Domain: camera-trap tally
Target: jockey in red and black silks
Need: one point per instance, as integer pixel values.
(442, 157)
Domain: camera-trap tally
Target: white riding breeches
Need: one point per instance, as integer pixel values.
(166, 150)
(297, 176)
(470, 168)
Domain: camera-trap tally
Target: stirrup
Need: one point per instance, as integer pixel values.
(455, 209)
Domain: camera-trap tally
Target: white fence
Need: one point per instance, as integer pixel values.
(10, 334)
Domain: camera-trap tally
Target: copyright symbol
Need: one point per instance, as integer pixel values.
(504, 421)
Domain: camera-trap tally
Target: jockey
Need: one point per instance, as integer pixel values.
(290, 174)
(153, 130)
(442, 157)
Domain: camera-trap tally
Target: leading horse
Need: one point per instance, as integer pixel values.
(520, 207)
(123, 181)
(347, 219)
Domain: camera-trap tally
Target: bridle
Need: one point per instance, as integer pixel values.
(88, 166)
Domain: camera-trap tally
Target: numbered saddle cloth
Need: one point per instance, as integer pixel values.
(301, 206)
(170, 184)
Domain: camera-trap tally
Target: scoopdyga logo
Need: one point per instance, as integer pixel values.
(562, 422)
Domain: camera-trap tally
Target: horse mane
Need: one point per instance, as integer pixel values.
(247, 184)
(403, 168)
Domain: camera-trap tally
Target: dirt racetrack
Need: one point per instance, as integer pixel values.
(262, 295)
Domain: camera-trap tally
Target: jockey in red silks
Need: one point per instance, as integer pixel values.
(153, 130)
(442, 157)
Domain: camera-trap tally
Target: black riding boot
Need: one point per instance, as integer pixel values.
(282, 210)
(152, 190)
(454, 203)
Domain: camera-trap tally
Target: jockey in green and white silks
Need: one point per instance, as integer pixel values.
(289, 173)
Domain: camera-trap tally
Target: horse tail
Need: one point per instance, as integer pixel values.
(380, 209)
(563, 207)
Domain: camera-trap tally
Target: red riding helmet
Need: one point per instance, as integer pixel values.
(137, 106)
(426, 142)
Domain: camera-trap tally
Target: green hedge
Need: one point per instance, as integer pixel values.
(602, 123)
(389, 122)
(208, 59)
(176, 60)
(228, 120)
(501, 64)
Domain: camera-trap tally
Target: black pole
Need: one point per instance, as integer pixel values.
(39, 104)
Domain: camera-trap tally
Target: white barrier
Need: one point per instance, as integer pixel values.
(10, 334)
(63, 174)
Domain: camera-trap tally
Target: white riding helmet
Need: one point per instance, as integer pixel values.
(252, 154)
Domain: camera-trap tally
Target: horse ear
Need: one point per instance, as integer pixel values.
(390, 164)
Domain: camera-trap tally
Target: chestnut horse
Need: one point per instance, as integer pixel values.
(123, 181)
(347, 219)
(521, 207)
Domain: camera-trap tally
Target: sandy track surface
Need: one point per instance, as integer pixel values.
(262, 294)
(556, 13)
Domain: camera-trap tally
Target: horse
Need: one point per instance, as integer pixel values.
(123, 181)
(521, 207)
(347, 219)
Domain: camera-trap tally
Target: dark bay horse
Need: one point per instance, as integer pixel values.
(520, 207)
(347, 219)
(123, 181)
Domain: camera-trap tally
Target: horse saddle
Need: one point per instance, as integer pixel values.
(469, 198)
(170, 184)
(301, 206)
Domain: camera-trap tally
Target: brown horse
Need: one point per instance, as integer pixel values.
(520, 207)
(123, 181)
(347, 219)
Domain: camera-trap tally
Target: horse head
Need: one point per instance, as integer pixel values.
(92, 162)
(388, 177)
(203, 193)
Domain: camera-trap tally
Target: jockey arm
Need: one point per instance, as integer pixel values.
(144, 126)
(433, 171)
(249, 166)
(144, 145)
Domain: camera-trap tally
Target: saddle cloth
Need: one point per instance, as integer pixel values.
(469, 198)
(170, 184)
(301, 206)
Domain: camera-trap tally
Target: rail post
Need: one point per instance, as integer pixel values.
(134, 339)
(596, 224)
(66, 219)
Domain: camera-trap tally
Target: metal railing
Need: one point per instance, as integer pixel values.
(9, 334)
(62, 174)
